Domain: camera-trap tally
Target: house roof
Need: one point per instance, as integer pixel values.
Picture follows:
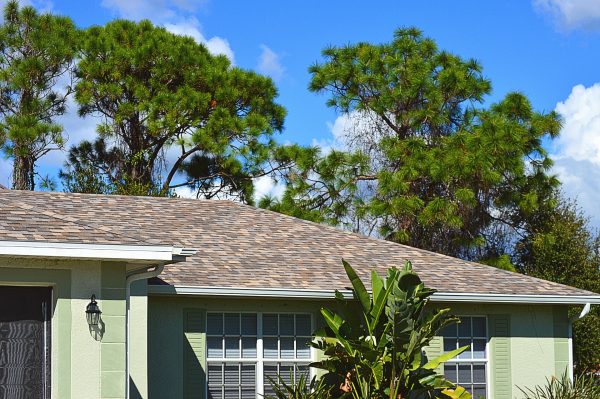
(242, 247)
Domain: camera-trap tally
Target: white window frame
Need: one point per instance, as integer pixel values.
(259, 360)
(486, 360)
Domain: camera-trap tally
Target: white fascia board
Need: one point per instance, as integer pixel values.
(152, 253)
(328, 294)
(516, 298)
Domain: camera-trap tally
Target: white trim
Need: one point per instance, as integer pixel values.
(570, 343)
(260, 360)
(487, 360)
(516, 298)
(329, 294)
(145, 253)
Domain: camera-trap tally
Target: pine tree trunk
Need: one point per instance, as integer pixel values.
(23, 173)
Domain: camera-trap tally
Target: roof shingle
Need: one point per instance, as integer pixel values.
(243, 247)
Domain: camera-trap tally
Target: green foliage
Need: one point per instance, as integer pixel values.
(425, 165)
(584, 387)
(560, 247)
(36, 51)
(373, 345)
(156, 90)
(299, 389)
(501, 262)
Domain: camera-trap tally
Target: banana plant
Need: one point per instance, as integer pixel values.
(373, 344)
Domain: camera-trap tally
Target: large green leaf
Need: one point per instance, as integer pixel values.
(433, 364)
(457, 393)
(359, 288)
(376, 285)
(379, 300)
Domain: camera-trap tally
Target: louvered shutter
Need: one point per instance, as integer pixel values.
(194, 381)
(500, 363)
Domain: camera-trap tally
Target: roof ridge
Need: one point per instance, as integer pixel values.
(69, 219)
(94, 195)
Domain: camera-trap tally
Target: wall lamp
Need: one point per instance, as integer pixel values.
(93, 312)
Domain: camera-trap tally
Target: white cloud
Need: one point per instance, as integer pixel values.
(576, 152)
(265, 185)
(176, 16)
(152, 9)
(5, 171)
(269, 63)
(185, 192)
(338, 129)
(75, 129)
(354, 130)
(571, 14)
(191, 27)
(580, 135)
(40, 5)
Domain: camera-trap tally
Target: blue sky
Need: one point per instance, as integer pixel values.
(547, 49)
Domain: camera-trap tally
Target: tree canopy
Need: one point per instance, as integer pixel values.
(169, 107)
(426, 163)
(560, 247)
(36, 52)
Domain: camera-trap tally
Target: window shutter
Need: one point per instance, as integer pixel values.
(435, 349)
(194, 377)
(499, 327)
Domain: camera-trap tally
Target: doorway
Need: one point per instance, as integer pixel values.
(25, 342)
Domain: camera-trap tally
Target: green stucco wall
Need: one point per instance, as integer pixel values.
(139, 343)
(85, 362)
(174, 339)
(526, 343)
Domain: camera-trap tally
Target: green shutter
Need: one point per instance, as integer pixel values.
(501, 384)
(194, 377)
(435, 349)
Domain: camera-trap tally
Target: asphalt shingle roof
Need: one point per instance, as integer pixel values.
(241, 246)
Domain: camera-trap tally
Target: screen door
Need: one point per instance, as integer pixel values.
(25, 342)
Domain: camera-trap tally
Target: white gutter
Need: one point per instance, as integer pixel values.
(584, 312)
(516, 298)
(140, 253)
(329, 294)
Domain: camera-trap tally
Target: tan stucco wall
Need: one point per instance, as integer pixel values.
(80, 357)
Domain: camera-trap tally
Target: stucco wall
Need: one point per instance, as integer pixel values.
(168, 342)
(84, 363)
(536, 342)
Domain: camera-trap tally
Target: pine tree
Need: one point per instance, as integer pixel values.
(169, 108)
(36, 53)
(426, 164)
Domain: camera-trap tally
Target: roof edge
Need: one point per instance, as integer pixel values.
(136, 253)
(329, 294)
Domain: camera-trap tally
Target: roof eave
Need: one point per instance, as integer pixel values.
(112, 252)
(329, 294)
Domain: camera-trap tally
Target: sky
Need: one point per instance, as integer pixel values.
(547, 49)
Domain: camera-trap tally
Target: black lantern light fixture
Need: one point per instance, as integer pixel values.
(92, 312)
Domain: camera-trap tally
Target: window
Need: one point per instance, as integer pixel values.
(245, 349)
(469, 369)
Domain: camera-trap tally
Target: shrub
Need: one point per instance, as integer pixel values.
(299, 389)
(584, 387)
(374, 344)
